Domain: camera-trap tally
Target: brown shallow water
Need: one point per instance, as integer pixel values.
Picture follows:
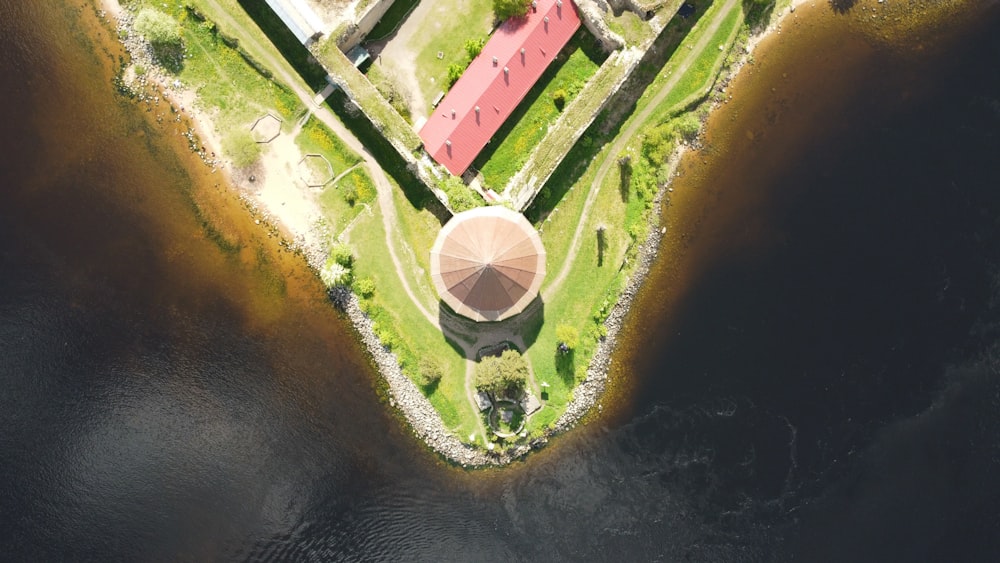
(799, 380)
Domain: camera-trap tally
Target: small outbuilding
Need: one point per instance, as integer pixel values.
(488, 263)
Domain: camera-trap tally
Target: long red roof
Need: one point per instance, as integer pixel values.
(497, 80)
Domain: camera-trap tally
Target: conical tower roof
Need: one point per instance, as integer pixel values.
(488, 263)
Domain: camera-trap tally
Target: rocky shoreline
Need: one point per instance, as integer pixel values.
(406, 397)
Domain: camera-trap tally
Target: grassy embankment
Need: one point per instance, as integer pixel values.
(236, 88)
(598, 275)
(558, 86)
(403, 326)
(583, 300)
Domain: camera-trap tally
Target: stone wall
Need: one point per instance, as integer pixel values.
(364, 23)
(592, 15)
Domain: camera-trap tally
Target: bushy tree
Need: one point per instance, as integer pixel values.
(454, 73)
(429, 371)
(503, 375)
(506, 9)
(688, 126)
(559, 98)
(365, 287)
(460, 197)
(658, 143)
(568, 338)
(341, 254)
(158, 28)
(474, 46)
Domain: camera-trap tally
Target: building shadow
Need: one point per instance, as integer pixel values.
(285, 41)
(458, 329)
(608, 123)
(387, 157)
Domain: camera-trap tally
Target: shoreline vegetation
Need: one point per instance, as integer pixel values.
(260, 174)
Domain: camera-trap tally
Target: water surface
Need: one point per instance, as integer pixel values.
(803, 376)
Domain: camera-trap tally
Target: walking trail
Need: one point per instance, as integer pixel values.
(483, 335)
(625, 136)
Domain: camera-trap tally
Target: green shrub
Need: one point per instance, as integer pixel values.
(365, 287)
(350, 192)
(460, 197)
(568, 337)
(559, 98)
(341, 254)
(688, 126)
(505, 9)
(658, 143)
(474, 46)
(429, 371)
(455, 71)
(158, 28)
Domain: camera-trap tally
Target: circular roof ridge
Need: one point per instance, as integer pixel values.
(488, 263)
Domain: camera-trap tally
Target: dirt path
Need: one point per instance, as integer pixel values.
(288, 76)
(625, 136)
(401, 49)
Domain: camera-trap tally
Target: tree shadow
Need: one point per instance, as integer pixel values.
(566, 365)
(624, 177)
(842, 6)
(430, 387)
(757, 13)
(602, 245)
(169, 55)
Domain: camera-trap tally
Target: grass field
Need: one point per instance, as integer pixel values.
(529, 123)
(449, 25)
(227, 83)
(593, 282)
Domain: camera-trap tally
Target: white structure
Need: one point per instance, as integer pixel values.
(488, 263)
(300, 19)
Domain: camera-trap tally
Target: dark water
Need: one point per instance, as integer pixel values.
(812, 375)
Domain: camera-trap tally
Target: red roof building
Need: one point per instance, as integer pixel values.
(497, 80)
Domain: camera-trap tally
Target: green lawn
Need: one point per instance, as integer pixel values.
(400, 323)
(231, 84)
(223, 77)
(446, 29)
(525, 128)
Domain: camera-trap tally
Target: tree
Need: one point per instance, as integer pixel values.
(460, 197)
(503, 375)
(429, 371)
(365, 287)
(158, 28)
(474, 46)
(559, 98)
(334, 274)
(455, 71)
(568, 337)
(506, 9)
